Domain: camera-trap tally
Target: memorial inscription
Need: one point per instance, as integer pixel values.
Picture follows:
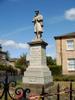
(35, 55)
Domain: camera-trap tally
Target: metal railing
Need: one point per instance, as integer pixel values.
(20, 93)
(59, 93)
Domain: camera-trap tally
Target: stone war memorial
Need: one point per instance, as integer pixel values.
(37, 75)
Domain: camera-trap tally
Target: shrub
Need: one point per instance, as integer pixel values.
(7, 68)
(64, 78)
(56, 70)
(57, 74)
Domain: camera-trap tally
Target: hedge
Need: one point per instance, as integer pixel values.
(56, 70)
(7, 68)
(57, 74)
(64, 78)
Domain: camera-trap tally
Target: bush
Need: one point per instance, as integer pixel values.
(57, 74)
(7, 68)
(2, 67)
(57, 78)
(56, 70)
(64, 78)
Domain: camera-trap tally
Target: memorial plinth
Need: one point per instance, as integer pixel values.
(37, 74)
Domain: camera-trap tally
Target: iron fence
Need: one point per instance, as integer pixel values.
(59, 92)
(20, 93)
(23, 94)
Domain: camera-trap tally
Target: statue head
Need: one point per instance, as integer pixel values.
(37, 12)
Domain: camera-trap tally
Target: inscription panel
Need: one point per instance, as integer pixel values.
(35, 55)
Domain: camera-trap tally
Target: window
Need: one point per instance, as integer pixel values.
(71, 64)
(70, 45)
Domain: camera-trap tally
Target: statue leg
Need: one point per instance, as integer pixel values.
(36, 35)
(39, 35)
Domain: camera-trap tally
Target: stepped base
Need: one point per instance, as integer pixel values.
(36, 78)
(37, 88)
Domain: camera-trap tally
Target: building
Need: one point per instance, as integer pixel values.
(8, 62)
(3, 55)
(65, 53)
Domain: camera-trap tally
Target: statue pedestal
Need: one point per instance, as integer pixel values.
(37, 74)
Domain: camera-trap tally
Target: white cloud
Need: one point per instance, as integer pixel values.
(70, 14)
(13, 44)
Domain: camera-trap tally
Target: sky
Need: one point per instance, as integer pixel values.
(17, 29)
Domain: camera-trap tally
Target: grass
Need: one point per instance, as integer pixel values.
(63, 85)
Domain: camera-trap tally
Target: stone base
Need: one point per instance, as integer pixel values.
(37, 75)
(37, 88)
(37, 78)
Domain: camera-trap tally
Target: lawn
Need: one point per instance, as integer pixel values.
(63, 85)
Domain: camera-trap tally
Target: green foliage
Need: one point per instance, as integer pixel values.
(50, 61)
(64, 78)
(7, 68)
(57, 74)
(56, 70)
(21, 63)
(2, 67)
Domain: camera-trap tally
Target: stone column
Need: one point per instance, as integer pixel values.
(37, 74)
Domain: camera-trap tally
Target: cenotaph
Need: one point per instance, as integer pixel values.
(37, 74)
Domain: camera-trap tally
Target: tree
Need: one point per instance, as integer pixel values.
(51, 61)
(21, 63)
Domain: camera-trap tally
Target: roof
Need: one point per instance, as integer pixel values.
(13, 59)
(68, 35)
(2, 52)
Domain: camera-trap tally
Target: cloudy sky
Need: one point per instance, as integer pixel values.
(16, 27)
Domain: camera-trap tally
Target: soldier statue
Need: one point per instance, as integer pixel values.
(38, 24)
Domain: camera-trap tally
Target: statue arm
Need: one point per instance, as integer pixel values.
(40, 18)
(34, 20)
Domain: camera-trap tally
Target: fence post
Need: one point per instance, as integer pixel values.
(58, 91)
(43, 92)
(71, 90)
(6, 87)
